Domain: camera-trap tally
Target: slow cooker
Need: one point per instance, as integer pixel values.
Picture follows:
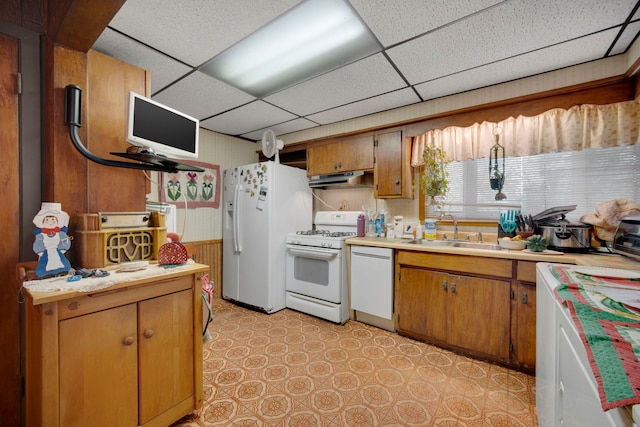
(560, 233)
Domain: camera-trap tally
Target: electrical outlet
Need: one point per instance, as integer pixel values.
(344, 205)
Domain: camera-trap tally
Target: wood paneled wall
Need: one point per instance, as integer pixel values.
(209, 252)
(9, 215)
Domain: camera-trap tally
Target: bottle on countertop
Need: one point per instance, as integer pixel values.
(390, 231)
(360, 226)
(430, 228)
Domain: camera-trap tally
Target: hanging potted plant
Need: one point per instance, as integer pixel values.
(435, 182)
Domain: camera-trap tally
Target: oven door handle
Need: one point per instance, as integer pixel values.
(324, 254)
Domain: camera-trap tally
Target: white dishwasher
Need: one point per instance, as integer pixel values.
(372, 285)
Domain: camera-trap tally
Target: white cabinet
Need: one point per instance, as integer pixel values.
(372, 281)
(566, 393)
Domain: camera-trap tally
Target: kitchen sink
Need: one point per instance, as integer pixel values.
(455, 244)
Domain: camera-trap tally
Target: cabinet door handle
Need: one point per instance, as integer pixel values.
(453, 287)
(148, 333)
(397, 181)
(444, 285)
(128, 341)
(524, 298)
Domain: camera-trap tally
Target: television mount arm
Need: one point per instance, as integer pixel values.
(73, 104)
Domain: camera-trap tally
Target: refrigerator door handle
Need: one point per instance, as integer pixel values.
(237, 246)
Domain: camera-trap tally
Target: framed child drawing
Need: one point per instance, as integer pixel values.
(195, 189)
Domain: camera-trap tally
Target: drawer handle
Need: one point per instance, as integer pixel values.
(148, 333)
(128, 341)
(444, 285)
(453, 287)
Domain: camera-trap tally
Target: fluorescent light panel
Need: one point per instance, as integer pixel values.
(313, 38)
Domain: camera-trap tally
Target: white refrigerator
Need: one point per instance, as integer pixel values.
(263, 202)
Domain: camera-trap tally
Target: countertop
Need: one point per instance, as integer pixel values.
(115, 281)
(596, 260)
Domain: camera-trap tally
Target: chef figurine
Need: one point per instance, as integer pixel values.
(51, 240)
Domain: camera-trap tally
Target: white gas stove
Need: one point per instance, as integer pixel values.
(332, 228)
(316, 277)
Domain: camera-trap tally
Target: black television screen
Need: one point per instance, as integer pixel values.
(165, 130)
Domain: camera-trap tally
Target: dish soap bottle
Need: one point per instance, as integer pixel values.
(430, 228)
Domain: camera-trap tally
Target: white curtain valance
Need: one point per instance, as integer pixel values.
(578, 128)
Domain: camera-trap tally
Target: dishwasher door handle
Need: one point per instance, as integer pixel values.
(368, 255)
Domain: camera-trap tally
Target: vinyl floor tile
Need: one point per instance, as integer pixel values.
(289, 369)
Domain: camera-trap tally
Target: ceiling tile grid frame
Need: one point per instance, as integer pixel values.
(574, 52)
(287, 127)
(387, 101)
(363, 79)
(514, 28)
(195, 31)
(451, 48)
(202, 96)
(396, 21)
(255, 115)
(165, 70)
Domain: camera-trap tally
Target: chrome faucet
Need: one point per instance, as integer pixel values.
(455, 224)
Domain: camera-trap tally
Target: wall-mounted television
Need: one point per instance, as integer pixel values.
(166, 131)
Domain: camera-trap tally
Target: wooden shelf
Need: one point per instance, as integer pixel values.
(161, 161)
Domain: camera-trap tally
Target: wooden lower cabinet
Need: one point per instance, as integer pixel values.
(421, 304)
(481, 306)
(95, 360)
(524, 316)
(462, 312)
(123, 356)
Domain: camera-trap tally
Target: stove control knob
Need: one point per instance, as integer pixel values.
(329, 244)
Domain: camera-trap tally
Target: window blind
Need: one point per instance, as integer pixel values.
(535, 183)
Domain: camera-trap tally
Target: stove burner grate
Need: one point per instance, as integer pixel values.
(312, 232)
(326, 233)
(341, 234)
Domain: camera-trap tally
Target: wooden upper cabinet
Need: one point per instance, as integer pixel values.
(392, 174)
(342, 155)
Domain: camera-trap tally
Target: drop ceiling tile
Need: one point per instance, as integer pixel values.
(165, 69)
(395, 99)
(393, 21)
(540, 61)
(202, 96)
(526, 25)
(248, 118)
(628, 36)
(196, 30)
(282, 128)
(363, 79)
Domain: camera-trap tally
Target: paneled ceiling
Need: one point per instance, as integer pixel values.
(429, 49)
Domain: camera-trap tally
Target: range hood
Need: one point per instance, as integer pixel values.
(341, 180)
